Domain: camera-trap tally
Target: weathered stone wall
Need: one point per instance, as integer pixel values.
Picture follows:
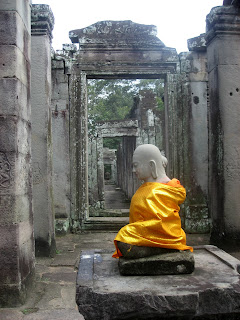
(150, 130)
(78, 148)
(194, 134)
(150, 120)
(60, 137)
(96, 171)
(109, 129)
(16, 218)
(223, 47)
(42, 25)
(110, 158)
(126, 180)
(94, 200)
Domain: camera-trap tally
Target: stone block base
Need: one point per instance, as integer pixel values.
(14, 295)
(62, 227)
(181, 262)
(212, 291)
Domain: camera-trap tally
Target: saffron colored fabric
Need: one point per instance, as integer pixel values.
(154, 219)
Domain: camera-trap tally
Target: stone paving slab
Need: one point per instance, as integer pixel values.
(60, 314)
(213, 289)
(57, 305)
(65, 259)
(8, 314)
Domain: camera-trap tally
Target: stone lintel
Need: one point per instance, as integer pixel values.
(127, 61)
(42, 20)
(197, 43)
(221, 21)
(116, 34)
(212, 291)
(117, 124)
(69, 47)
(117, 128)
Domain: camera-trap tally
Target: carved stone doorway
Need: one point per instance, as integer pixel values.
(111, 50)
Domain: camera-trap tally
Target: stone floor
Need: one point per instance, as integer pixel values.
(115, 198)
(53, 294)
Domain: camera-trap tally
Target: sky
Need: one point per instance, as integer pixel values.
(176, 20)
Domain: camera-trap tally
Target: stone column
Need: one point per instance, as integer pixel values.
(170, 102)
(42, 25)
(60, 137)
(100, 169)
(223, 53)
(16, 226)
(78, 148)
(195, 135)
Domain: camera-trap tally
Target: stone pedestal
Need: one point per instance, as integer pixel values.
(212, 291)
(223, 48)
(42, 25)
(181, 262)
(16, 226)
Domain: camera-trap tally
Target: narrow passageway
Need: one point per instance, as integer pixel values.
(115, 198)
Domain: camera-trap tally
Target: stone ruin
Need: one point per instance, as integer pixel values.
(51, 169)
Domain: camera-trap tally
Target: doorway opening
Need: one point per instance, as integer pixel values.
(122, 113)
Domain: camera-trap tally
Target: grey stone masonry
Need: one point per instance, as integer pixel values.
(195, 133)
(16, 216)
(42, 24)
(212, 291)
(223, 47)
(181, 262)
(107, 49)
(61, 62)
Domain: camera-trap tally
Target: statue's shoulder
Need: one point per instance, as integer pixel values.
(174, 183)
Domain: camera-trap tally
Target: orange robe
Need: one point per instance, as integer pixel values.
(154, 219)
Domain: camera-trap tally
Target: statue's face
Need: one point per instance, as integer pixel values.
(141, 166)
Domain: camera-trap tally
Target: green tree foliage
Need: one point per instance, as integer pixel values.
(111, 143)
(113, 99)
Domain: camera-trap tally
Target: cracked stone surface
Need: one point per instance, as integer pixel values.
(211, 291)
(56, 279)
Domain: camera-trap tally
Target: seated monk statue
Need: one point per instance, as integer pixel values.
(154, 222)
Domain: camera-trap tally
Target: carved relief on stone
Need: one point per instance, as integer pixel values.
(124, 33)
(37, 175)
(5, 171)
(120, 27)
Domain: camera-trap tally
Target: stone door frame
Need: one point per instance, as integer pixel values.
(123, 128)
(109, 50)
(80, 210)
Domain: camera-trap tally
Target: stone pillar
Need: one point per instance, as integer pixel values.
(92, 172)
(60, 135)
(16, 226)
(195, 135)
(100, 169)
(78, 148)
(170, 102)
(223, 53)
(42, 25)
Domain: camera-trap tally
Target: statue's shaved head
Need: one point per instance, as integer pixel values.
(148, 152)
(148, 162)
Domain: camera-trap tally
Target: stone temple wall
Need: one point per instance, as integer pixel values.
(60, 131)
(194, 136)
(198, 128)
(16, 212)
(41, 82)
